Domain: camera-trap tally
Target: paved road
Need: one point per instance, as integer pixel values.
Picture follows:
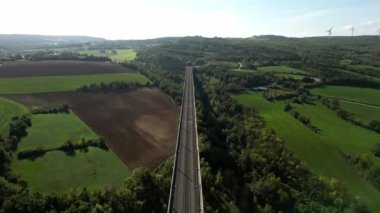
(186, 190)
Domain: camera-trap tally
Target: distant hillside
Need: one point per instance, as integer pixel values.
(18, 42)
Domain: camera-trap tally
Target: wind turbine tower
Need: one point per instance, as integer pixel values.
(329, 32)
(352, 31)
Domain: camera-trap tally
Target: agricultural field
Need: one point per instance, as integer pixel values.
(363, 112)
(62, 127)
(281, 69)
(121, 55)
(94, 169)
(43, 84)
(138, 125)
(356, 94)
(56, 76)
(321, 152)
(58, 68)
(58, 172)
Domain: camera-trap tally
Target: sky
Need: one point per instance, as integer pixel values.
(142, 19)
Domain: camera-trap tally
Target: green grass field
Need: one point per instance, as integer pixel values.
(56, 171)
(53, 130)
(243, 71)
(232, 65)
(321, 152)
(281, 69)
(121, 55)
(284, 75)
(294, 76)
(362, 95)
(8, 109)
(364, 113)
(360, 67)
(62, 83)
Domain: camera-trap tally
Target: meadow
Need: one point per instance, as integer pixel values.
(280, 69)
(321, 152)
(41, 84)
(62, 127)
(121, 55)
(58, 172)
(356, 94)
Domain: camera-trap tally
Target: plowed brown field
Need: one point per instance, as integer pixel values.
(56, 67)
(139, 126)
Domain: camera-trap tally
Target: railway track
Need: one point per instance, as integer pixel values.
(186, 187)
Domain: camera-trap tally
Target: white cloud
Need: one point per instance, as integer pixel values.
(348, 27)
(370, 22)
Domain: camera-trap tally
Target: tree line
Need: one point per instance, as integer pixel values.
(8, 145)
(304, 120)
(68, 147)
(367, 169)
(115, 86)
(64, 108)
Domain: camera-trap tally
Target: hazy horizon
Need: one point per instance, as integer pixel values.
(146, 19)
(317, 36)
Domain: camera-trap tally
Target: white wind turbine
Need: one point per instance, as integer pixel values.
(329, 32)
